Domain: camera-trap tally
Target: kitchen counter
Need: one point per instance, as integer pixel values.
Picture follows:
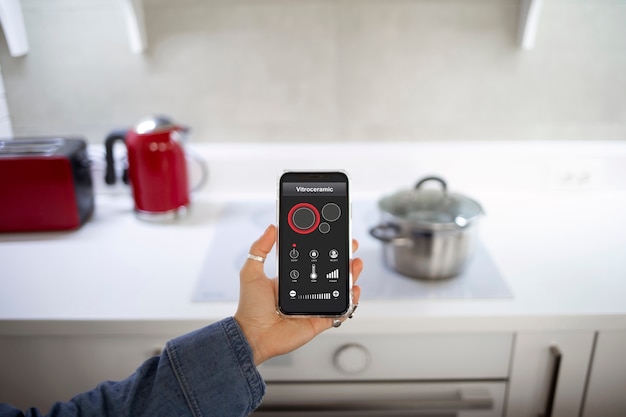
(554, 227)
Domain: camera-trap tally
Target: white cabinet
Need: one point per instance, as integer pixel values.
(460, 374)
(543, 360)
(397, 357)
(40, 370)
(606, 393)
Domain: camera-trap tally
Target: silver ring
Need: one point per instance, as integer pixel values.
(336, 323)
(256, 258)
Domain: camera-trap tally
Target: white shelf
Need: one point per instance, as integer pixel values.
(135, 24)
(530, 12)
(12, 21)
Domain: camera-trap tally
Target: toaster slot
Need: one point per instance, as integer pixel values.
(30, 147)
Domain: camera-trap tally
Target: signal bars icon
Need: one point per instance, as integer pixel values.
(333, 274)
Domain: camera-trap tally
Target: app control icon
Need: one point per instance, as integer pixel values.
(324, 227)
(331, 212)
(334, 254)
(303, 218)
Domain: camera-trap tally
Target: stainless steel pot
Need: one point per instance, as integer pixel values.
(428, 233)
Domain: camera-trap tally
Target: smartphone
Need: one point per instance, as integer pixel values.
(314, 244)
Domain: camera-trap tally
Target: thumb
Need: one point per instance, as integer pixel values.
(261, 247)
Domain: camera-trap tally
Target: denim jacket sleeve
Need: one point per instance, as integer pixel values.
(206, 373)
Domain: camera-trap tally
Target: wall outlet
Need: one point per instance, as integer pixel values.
(576, 174)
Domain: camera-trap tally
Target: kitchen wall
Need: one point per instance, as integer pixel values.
(301, 70)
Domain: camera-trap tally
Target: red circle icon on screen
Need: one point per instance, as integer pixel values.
(303, 218)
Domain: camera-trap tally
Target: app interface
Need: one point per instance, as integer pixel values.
(314, 247)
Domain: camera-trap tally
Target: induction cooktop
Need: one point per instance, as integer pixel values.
(240, 223)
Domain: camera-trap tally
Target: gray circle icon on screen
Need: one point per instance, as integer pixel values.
(304, 218)
(331, 212)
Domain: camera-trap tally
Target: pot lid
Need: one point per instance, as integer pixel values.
(432, 208)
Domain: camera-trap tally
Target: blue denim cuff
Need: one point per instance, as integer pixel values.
(215, 369)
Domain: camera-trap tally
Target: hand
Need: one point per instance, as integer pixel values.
(268, 333)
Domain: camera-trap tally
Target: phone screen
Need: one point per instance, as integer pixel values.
(314, 244)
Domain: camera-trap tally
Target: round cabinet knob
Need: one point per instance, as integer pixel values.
(352, 359)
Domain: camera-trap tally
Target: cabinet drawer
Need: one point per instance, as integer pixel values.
(397, 357)
(40, 370)
(607, 380)
(383, 399)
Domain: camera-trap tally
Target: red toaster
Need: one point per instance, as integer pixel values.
(45, 184)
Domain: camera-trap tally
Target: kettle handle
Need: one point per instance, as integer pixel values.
(110, 140)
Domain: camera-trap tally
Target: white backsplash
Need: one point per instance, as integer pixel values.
(322, 70)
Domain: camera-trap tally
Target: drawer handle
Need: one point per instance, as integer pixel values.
(443, 401)
(556, 355)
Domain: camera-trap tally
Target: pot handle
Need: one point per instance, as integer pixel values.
(385, 232)
(440, 180)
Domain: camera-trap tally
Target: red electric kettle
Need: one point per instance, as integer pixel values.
(157, 167)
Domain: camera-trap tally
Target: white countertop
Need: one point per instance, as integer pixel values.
(560, 244)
